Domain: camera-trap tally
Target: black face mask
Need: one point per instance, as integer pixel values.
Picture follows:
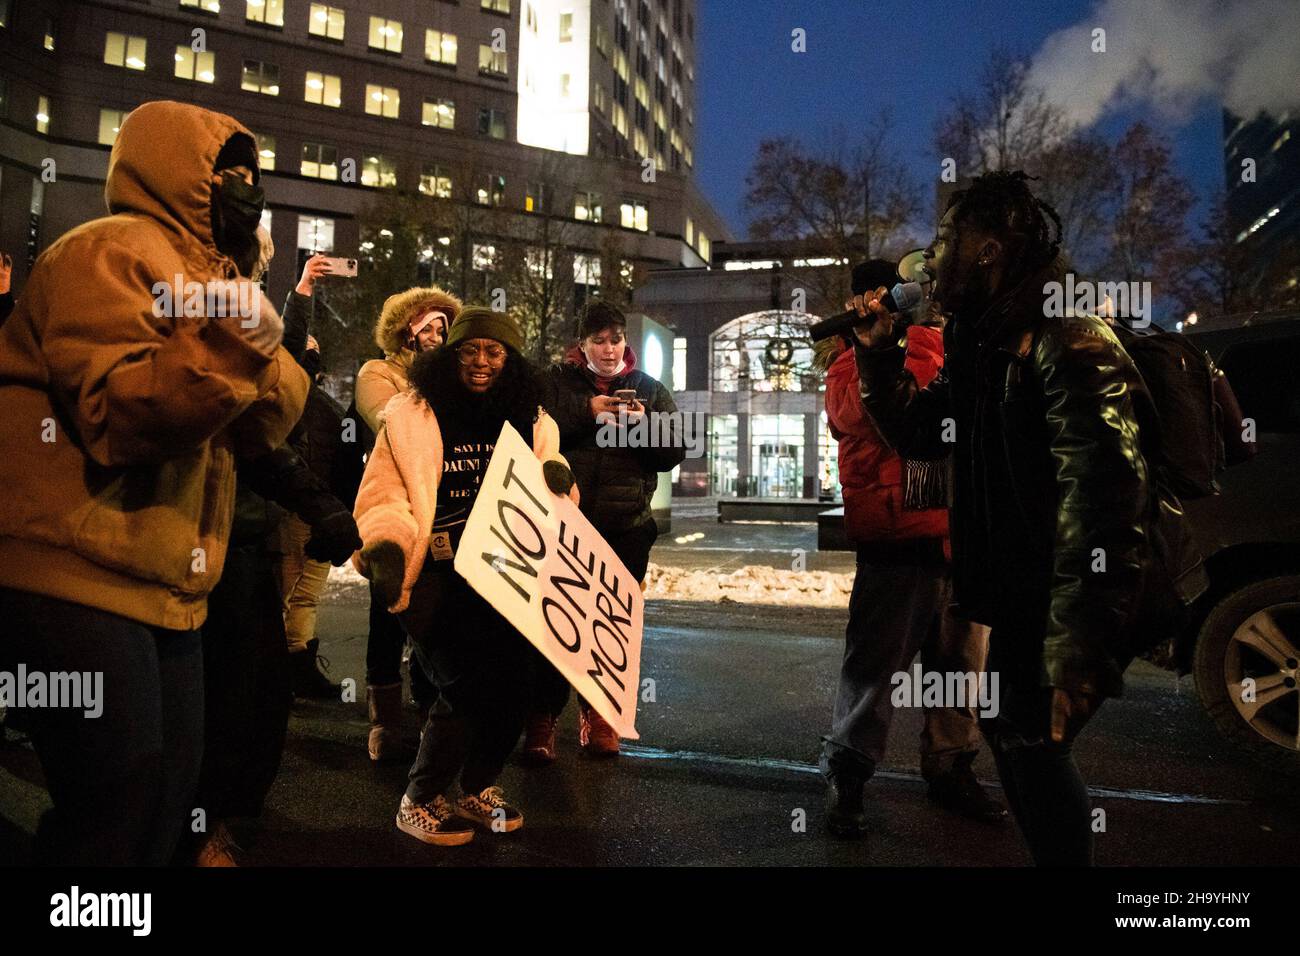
(236, 211)
(311, 363)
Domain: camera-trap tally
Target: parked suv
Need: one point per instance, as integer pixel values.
(1243, 644)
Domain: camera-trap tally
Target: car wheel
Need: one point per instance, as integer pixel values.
(1247, 666)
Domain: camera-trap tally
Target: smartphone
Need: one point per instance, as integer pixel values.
(625, 396)
(338, 266)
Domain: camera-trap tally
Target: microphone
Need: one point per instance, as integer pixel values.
(902, 297)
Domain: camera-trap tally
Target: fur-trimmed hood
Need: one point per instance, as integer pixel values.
(390, 329)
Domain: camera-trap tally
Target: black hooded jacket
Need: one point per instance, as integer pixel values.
(615, 484)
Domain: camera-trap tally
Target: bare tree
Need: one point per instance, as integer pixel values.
(1149, 231)
(845, 201)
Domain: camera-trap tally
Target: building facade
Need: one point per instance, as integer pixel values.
(475, 98)
(742, 360)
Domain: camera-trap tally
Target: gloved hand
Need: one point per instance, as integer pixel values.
(385, 566)
(558, 477)
(334, 538)
(262, 328)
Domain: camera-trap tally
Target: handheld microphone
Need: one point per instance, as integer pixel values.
(902, 297)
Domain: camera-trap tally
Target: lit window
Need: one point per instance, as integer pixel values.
(639, 143)
(690, 231)
(323, 88)
(48, 42)
(620, 119)
(705, 247)
(385, 35)
(564, 86)
(319, 161)
(125, 51)
(600, 99)
(434, 181)
(566, 27)
(492, 61)
(586, 206)
(42, 114)
(209, 6)
(110, 121)
(439, 113)
(268, 12)
(378, 170)
(586, 269)
(496, 6)
(535, 197)
(200, 67)
(382, 101)
(492, 123)
(491, 190)
(326, 21)
(260, 77)
(483, 258)
(315, 234)
(634, 215)
(440, 47)
(265, 152)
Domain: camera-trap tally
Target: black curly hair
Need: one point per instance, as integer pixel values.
(1001, 203)
(515, 396)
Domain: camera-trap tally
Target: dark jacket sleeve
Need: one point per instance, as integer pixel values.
(297, 316)
(568, 404)
(911, 419)
(1102, 494)
(671, 455)
(283, 477)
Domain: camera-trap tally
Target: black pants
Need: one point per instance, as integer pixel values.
(384, 648)
(485, 671)
(122, 783)
(1044, 788)
(632, 546)
(247, 686)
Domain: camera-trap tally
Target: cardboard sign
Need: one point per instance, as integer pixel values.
(536, 558)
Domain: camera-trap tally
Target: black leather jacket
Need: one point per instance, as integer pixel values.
(1041, 416)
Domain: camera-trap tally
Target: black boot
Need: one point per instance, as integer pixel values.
(308, 680)
(844, 813)
(959, 792)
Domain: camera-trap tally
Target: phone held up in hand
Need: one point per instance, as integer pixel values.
(339, 266)
(625, 396)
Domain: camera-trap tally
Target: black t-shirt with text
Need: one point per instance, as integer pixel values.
(466, 451)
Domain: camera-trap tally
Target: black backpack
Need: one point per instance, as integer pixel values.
(1189, 394)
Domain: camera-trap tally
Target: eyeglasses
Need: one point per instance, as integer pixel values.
(467, 353)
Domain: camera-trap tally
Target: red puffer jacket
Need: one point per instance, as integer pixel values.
(871, 473)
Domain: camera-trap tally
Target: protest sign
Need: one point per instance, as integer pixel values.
(536, 558)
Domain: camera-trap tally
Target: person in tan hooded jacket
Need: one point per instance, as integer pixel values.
(125, 397)
(410, 322)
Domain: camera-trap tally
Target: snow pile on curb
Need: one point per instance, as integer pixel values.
(752, 584)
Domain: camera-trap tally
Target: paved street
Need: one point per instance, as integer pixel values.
(725, 764)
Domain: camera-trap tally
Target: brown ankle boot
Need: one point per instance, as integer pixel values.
(595, 734)
(385, 707)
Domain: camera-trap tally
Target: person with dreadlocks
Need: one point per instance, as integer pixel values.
(420, 485)
(1053, 503)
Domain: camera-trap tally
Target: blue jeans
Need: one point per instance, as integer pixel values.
(122, 783)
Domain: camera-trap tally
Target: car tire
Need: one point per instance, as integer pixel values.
(1222, 659)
